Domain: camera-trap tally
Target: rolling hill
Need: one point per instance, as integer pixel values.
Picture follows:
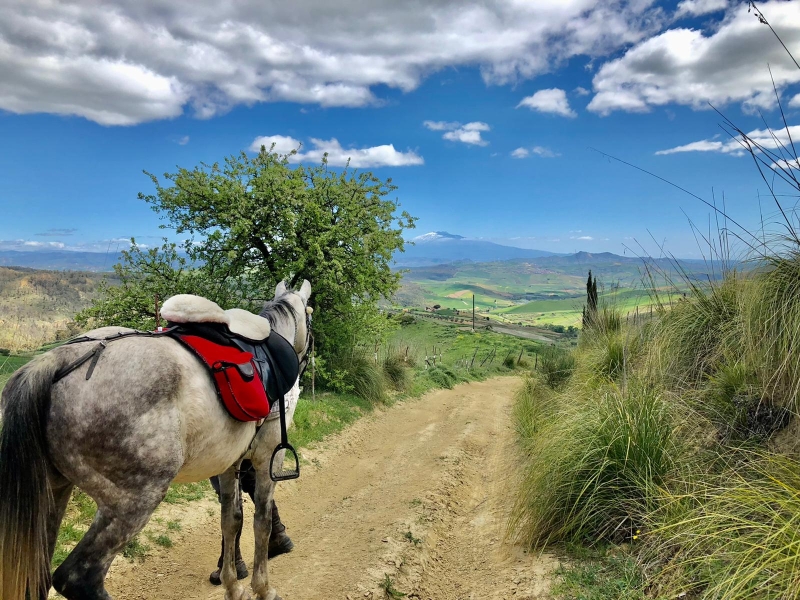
(547, 289)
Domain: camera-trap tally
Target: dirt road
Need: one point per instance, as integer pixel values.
(417, 492)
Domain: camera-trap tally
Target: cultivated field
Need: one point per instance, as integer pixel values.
(547, 291)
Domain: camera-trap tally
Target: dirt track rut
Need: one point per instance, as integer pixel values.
(417, 492)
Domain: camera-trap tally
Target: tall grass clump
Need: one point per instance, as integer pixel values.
(772, 319)
(357, 373)
(396, 371)
(594, 467)
(534, 404)
(697, 332)
(556, 366)
(740, 537)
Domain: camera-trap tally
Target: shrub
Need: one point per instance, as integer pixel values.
(406, 319)
(5, 352)
(510, 361)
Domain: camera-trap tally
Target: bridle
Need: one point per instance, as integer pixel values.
(304, 359)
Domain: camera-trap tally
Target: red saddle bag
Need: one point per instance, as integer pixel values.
(235, 376)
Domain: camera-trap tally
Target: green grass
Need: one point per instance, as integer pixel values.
(180, 493)
(9, 364)
(387, 585)
(163, 540)
(328, 414)
(135, 549)
(600, 575)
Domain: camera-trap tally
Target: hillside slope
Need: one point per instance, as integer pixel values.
(36, 307)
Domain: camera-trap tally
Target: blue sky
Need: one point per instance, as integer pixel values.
(484, 114)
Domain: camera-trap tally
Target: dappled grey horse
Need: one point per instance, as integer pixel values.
(148, 416)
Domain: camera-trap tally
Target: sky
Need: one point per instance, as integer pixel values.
(490, 116)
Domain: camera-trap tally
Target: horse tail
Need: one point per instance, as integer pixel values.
(26, 499)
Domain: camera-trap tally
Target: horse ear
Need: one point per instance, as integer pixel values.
(305, 290)
(280, 289)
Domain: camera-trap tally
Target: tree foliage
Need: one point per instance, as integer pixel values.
(251, 222)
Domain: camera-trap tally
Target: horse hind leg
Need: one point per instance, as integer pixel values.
(81, 576)
(61, 495)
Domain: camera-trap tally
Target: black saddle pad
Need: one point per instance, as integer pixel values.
(277, 362)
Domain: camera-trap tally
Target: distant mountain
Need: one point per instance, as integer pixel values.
(441, 247)
(60, 260)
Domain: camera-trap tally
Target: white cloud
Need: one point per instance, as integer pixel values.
(282, 144)
(582, 91)
(696, 8)
(375, 156)
(762, 137)
(118, 62)
(441, 125)
(690, 67)
(552, 101)
(785, 165)
(537, 150)
(36, 244)
(587, 238)
(795, 102)
(183, 140)
(456, 132)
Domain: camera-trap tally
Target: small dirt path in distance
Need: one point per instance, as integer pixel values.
(417, 492)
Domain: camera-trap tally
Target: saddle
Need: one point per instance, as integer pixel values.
(252, 366)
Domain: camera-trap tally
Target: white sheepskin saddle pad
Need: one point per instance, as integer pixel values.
(186, 308)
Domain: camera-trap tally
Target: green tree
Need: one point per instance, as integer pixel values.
(590, 309)
(251, 222)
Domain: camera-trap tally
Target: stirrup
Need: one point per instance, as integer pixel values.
(284, 474)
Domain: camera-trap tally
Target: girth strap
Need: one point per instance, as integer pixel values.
(94, 354)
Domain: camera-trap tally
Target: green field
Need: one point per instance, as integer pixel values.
(9, 364)
(523, 292)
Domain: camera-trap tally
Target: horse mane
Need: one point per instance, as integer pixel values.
(275, 309)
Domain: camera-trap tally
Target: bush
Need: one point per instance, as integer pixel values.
(556, 366)
(5, 352)
(605, 355)
(406, 319)
(510, 361)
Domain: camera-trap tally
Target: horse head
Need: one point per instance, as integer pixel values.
(290, 315)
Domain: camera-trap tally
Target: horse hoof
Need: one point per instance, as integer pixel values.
(239, 593)
(272, 594)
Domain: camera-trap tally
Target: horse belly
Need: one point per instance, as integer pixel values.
(213, 440)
